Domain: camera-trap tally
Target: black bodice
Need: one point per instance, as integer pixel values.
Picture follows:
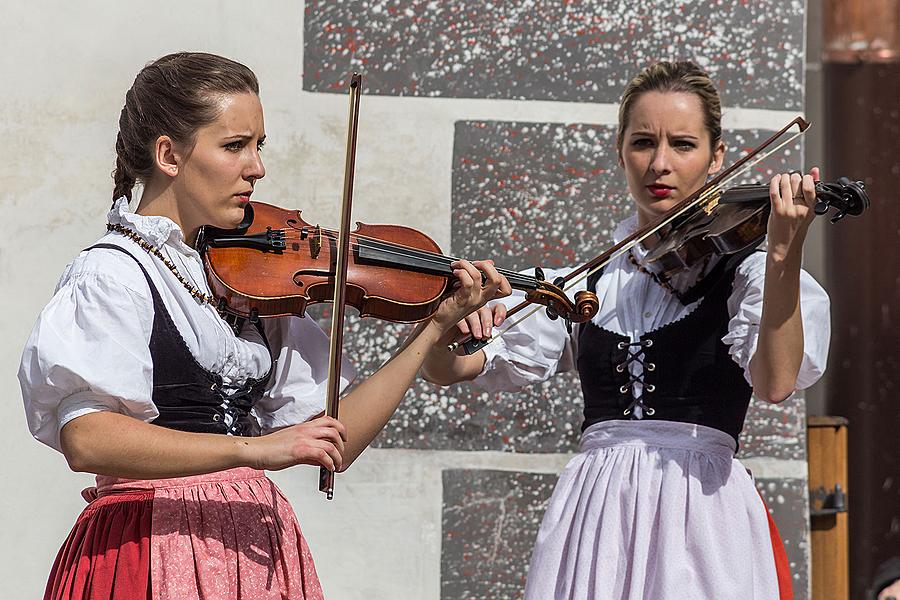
(688, 374)
(188, 397)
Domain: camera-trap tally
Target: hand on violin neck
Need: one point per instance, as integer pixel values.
(469, 294)
(793, 198)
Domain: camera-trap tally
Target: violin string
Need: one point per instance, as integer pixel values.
(436, 261)
(433, 259)
(627, 248)
(424, 254)
(418, 251)
(429, 258)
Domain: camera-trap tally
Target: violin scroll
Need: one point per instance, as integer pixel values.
(557, 304)
(586, 306)
(845, 196)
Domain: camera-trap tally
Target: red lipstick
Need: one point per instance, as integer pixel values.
(660, 191)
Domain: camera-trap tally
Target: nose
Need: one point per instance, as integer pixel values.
(255, 168)
(661, 163)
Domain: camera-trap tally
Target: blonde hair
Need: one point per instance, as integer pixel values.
(680, 76)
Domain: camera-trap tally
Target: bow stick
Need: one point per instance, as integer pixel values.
(332, 401)
(471, 345)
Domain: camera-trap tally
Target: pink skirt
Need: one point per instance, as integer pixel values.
(230, 534)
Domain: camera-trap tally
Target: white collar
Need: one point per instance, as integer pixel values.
(625, 228)
(158, 231)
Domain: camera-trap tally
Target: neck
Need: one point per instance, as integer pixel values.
(644, 219)
(160, 201)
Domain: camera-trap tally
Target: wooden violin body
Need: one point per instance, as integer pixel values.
(736, 219)
(276, 264)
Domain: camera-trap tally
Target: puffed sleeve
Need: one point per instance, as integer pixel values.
(528, 353)
(745, 307)
(88, 352)
(300, 381)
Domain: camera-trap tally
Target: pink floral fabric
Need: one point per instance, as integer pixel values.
(226, 535)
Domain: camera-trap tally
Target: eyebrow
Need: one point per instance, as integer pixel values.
(243, 136)
(681, 136)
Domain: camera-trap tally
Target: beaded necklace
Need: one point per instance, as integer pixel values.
(154, 251)
(660, 282)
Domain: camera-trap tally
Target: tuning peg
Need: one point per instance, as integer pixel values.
(840, 214)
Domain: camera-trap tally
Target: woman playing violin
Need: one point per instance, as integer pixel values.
(655, 505)
(133, 375)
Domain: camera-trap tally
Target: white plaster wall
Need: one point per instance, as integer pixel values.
(65, 69)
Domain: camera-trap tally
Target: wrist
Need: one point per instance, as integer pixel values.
(784, 256)
(244, 453)
(434, 332)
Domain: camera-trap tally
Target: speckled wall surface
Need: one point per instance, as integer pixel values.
(534, 194)
(491, 518)
(541, 50)
(548, 192)
(490, 521)
(788, 505)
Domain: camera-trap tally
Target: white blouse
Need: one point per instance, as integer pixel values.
(89, 350)
(633, 304)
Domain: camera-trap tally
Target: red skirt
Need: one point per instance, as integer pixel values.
(224, 535)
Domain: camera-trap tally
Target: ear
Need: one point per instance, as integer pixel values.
(715, 165)
(167, 156)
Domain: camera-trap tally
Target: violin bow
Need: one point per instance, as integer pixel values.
(756, 155)
(335, 354)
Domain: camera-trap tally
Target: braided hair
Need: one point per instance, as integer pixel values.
(174, 96)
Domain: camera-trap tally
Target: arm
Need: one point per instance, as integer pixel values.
(114, 444)
(444, 367)
(527, 353)
(366, 409)
(779, 352)
(109, 443)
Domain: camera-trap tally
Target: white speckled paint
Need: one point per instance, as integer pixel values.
(66, 68)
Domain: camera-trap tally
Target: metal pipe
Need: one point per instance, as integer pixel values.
(861, 31)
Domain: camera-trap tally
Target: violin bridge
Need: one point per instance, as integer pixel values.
(711, 201)
(315, 242)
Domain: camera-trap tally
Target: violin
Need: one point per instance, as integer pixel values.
(730, 221)
(711, 222)
(275, 264)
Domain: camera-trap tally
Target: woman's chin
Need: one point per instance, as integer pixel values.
(651, 211)
(230, 220)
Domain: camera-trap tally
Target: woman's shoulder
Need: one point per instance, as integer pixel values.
(109, 268)
(754, 264)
